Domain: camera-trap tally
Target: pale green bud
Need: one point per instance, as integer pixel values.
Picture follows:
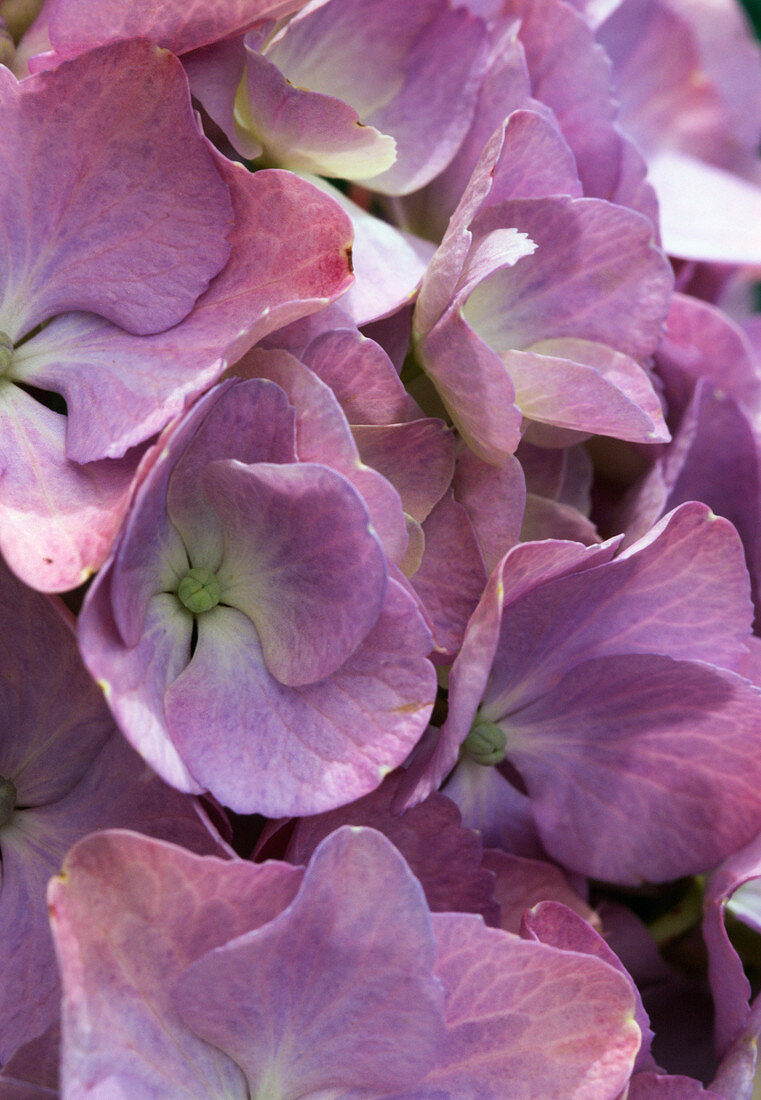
(199, 590)
(486, 743)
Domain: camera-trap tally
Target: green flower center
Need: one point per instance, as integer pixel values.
(8, 798)
(6, 352)
(199, 590)
(486, 743)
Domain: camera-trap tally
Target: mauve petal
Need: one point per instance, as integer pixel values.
(313, 1000)
(737, 1070)
(444, 856)
(504, 89)
(250, 422)
(323, 435)
(58, 519)
(495, 809)
(548, 519)
(388, 263)
(571, 74)
(522, 883)
(299, 554)
(117, 790)
(53, 718)
(361, 376)
(726, 479)
(31, 1073)
(132, 222)
(410, 71)
(134, 678)
(595, 275)
(557, 924)
(430, 114)
(522, 569)
(655, 1086)
(289, 256)
(474, 385)
(641, 768)
(702, 342)
(306, 131)
(552, 1023)
(451, 577)
(416, 457)
(178, 26)
(289, 751)
(494, 498)
(524, 157)
(588, 387)
(730, 987)
(681, 590)
(129, 914)
(214, 73)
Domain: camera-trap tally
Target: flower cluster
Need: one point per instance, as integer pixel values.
(380, 520)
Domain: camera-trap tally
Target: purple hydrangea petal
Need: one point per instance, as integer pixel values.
(314, 999)
(549, 1022)
(129, 914)
(443, 856)
(132, 223)
(289, 751)
(554, 922)
(630, 762)
(59, 519)
(298, 554)
(289, 256)
(179, 27)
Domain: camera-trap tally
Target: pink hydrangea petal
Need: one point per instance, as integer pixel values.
(549, 519)
(128, 915)
(59, 519)
(314, 999)
(556, 923)
(179, 27)
(581, 246)
(117, 790)
(135, 678)
(431, 112)
(495, 808)
(550, 1022)
(389, 263)
(494, 498)
(571, 75)
(523, 883)
(729, 985)
(416, 457)
(689, 193)
(587, 387)
(290, 255)
(671, 593)
(50, 736)
(307, 131)
(451, 577)
(481, 398)
(522, 569)
(250, 422)
(119, 228)
(360, 374)
(31, 1073)
(444, 856)
(323, 435)
(655, 1086)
